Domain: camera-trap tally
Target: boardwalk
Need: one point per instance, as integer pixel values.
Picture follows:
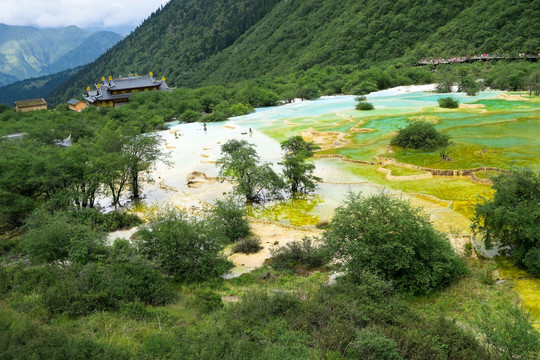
(483, 57)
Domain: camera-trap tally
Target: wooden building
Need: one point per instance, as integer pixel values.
(76, 105)
(117, 92)
(30, 105)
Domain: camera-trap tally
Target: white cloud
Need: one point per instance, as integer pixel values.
(82, 13)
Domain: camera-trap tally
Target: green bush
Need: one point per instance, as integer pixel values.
(116, 220)
(364, 105)
(102, 287)
(23, 338)
(208, 300)
(372, 346)
(388, 237)
(448, 102)
(248, 245)
(532, 261)
(52, 238)
(229, 216)
(508, 332)
(304, 253)
(510, 218)
(187, 249)
(420, 135)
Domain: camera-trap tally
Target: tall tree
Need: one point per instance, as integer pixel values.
(239, 162)
(297, 172)
(141, 153)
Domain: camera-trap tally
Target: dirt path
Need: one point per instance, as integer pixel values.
(273, 235)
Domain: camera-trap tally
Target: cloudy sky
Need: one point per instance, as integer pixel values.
(82, 13)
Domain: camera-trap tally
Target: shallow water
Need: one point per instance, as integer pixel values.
(509, 132)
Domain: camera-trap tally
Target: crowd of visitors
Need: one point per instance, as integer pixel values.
(461, 59)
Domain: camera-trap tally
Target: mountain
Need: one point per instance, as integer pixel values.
(29, 52)
(35, 88)
(203, 42)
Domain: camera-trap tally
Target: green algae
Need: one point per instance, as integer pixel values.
(486, 174)
(461, 190)
(297, 211)
(525, 285)
(403, 171)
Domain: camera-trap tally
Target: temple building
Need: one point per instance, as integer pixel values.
(76, 105)
(30, 105)
(117, 92)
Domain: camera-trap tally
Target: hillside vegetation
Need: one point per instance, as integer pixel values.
(203, 43)
(34, 88)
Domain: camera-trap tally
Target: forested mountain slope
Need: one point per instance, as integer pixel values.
(29, 52)
(196, 43)
(173, 40)
(35, 88)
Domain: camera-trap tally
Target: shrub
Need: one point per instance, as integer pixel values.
(56, 237)
(187, 249)
(364, 105)
(116, 220)
(208, 300)
(372, 346)
(510, 219)
(509, 332)
(448, 102)
(532, 261)
(420, 135)
(248, 245)
(230, 217)
(395, 241)
(99, 287)
(304, 253)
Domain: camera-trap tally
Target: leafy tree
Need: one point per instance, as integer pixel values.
(388, 237)
(113, 165)
(533, 83)
(297, 172)
(239, 162)
(446, 79)
(4, 108)
(448, 102)
(512, 218)
(187, 249)
(420, 135)
(308, 92)
(141, 152)
(468, 85)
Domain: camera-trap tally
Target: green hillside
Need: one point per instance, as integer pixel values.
(27, 52)
(201, 43)
(35, 88)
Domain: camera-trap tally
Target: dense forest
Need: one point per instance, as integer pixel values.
(206, 43)
(35, 88)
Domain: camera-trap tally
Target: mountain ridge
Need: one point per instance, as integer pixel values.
(27, 52)
(199, 43)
